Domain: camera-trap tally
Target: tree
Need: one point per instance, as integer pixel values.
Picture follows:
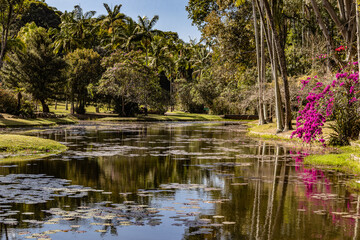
(199, 9)
(280, 53)
(36, 69)
(84, 69)
(76, 30)
(40, 13)
(129, 82)
(9, 12)
(146, 32)
(344, 18)
(259, 60)
(112, 21)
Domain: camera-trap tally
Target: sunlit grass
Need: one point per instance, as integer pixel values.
(170, 116)
(18, 122)
(346, 159)
(19, 147)
(61, 109)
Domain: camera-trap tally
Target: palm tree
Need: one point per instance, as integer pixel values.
(200, 60)
(146, 32)
(76, 28)
(129, 33)
(158, 52)
(114, 16)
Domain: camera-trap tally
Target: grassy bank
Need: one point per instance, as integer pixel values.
(19, 147)
(10, 121)
(173, 116)
(345, 159)
(268, 131)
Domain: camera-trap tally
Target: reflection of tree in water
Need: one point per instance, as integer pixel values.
(266, 208)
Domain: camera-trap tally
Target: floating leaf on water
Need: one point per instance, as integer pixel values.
(100, 230)
(106, 193)
(27, 213)
(212, 189)
(228, 223)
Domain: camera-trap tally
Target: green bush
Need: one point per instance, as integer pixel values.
(8, 101)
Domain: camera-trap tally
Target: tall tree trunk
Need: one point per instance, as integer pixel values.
(282, 64)
(358, 33)
(274, 67)
(67, 104)
(322, 24)
(5, 35)
(56, 103)
(263, 70)
(260, 112)
(45, 107)
(278, 103)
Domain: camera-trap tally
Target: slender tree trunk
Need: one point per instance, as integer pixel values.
(322, 24)
(66, 104)
(274, 66)
(11, 16)
(263, 70)
(265, 109)
(278, 103)
(56, 103)
(261, 116)
(303, 27)
(358, 33)
(282, 62)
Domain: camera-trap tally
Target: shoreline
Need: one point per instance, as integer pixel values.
(344, 159)
(14, 148)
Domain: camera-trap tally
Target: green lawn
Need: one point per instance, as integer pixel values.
(60, 110)
(341, 159)
(18, 122)
(170, 116)
(19, 147)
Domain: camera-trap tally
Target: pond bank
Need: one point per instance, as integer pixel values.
(170, 117)
(345, 159)
(10, 121)
(19, 147)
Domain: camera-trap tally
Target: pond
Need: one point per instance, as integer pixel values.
(172, 181)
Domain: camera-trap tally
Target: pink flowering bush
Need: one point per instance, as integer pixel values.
(338, 101)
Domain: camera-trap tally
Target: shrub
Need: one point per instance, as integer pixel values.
(8, 101)
(338, 100)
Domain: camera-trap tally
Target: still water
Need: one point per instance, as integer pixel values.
(172, 181)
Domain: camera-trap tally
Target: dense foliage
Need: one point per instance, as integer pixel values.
(250, 60)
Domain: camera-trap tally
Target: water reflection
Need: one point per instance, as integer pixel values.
(181, 181)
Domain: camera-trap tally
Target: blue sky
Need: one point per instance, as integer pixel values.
(172, 13)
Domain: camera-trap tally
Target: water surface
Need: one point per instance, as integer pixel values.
(172, 181)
